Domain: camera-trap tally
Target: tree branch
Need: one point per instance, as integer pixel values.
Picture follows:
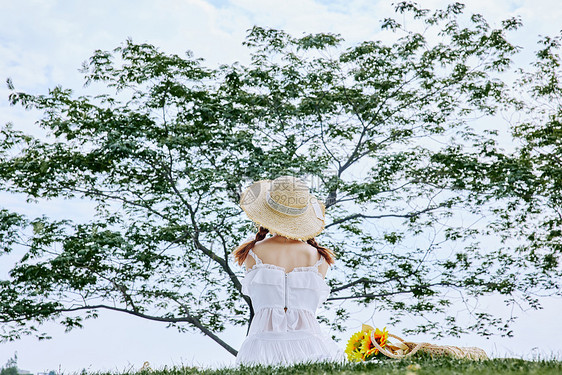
(386, 294)
(188, 319)
(360, 215)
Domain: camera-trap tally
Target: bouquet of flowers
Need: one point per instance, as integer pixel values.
(369, 343)
(360, 346)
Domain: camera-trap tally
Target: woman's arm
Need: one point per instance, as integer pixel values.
(323, 268)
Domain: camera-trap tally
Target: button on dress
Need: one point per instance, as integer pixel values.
(279, 337)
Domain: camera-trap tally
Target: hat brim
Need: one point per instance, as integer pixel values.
(302, 227)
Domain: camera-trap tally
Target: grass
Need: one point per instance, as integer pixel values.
(418, 366)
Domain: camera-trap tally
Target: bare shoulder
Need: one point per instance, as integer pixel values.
(249, 262)
(323, 268)
(261, 246)
(314, 255)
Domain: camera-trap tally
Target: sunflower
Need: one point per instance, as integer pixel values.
(360, 348)
(381, 337)
(367, 348)
(353, 348)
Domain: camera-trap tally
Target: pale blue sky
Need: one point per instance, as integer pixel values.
(43, 43)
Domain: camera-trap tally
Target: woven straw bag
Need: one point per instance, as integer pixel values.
(405, 349)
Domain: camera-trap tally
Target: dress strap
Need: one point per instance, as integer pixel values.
(255, 256)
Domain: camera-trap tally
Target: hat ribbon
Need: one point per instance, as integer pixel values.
(293, 211)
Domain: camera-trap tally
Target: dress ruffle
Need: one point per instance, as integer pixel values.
(288, 348)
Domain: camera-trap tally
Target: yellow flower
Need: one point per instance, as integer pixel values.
(367, 348)
(356, 356)
(353, 348)
(360, 347)
(381, 337)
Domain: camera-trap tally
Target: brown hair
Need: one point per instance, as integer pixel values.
(243, 250)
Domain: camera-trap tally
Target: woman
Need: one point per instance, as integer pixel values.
(285, 275)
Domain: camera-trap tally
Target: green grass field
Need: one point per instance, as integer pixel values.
(419, 366)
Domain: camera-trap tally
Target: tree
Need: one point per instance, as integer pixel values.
(11, 366)
(536, 171)
(167, 144)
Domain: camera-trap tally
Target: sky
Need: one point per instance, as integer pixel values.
(43, 44)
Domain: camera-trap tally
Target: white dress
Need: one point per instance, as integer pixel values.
(279, 337)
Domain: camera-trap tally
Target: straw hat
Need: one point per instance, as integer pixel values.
(284, 206)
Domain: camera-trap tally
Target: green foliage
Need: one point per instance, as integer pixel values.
(11, 366)
(166, 145)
